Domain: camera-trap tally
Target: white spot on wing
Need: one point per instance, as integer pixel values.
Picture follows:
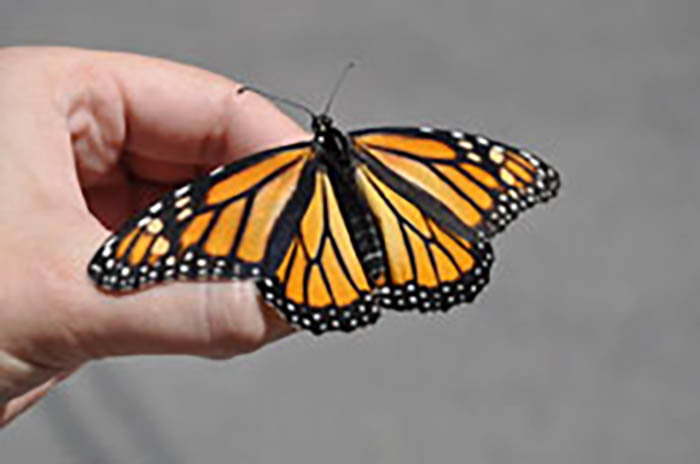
(155, 207)
(182, 202)
(466, 145)
(182, 190)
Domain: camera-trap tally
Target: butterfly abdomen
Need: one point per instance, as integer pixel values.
(361, 224)
(365, 235)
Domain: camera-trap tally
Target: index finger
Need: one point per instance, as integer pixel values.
(182, 114)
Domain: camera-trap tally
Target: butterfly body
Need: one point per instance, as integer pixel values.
(337, 228)
(335, 153)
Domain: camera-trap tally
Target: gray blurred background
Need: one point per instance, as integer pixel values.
(585, 348)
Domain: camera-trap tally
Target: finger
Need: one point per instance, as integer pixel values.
(102, 107)
(214, 319)
(181, 114)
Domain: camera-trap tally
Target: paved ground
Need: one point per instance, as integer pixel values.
(585, 347)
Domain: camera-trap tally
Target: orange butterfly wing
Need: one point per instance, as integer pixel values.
(320, 284)
(484, 183)
(216, 227)
(433, 262)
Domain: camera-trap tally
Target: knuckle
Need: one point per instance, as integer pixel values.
(234, 321)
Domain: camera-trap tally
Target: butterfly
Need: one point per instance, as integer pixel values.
(335, 229)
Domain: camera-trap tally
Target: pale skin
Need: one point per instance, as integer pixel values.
(86, 139)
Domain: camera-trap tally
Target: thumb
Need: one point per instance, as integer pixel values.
(213, 319)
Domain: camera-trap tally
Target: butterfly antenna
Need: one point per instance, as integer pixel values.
(336, 87)
(277, 99)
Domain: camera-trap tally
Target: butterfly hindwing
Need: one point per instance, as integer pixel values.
(320, 284)
(485, 183)
(433, 261)
(215, 227)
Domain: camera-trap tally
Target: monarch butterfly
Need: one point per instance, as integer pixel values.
(336, 228)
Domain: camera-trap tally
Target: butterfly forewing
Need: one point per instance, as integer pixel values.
(486, 184)
(215, 227)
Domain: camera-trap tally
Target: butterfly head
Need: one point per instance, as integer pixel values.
(321, 124)
(327, 137)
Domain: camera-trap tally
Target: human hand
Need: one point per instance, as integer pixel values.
(88, 138)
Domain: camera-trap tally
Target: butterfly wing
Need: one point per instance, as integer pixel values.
(216, 227)
(437, 196)
(318, 281)
(433, 260)
(483, 182)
